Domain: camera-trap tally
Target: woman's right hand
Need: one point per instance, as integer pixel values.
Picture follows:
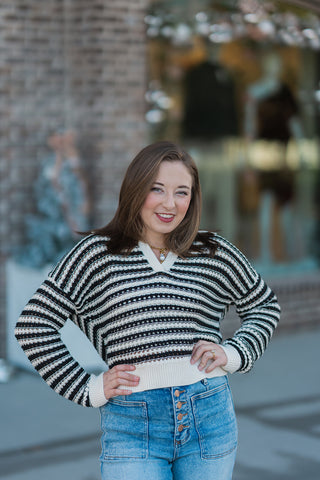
(116, 376)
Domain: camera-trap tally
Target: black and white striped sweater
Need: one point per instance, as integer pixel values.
(135, 310)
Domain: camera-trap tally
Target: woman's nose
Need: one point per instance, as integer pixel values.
(168, 201)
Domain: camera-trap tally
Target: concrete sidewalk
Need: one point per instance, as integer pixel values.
(44, 436)
(278, 408)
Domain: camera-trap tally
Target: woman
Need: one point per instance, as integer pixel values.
(150, 291)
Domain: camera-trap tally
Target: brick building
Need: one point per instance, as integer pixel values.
(81, 65)
(74, 65)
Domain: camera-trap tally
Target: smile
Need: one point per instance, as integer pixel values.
(165, 217)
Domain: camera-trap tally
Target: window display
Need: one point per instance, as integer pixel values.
(240, 89)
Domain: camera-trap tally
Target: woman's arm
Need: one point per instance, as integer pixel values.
(255, 302)
(37, 331)
(61, 297)
(259, 312)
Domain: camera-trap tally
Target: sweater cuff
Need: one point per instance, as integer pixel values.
(96, 392)
(234, 359)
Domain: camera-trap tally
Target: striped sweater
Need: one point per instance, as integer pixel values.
(138, 311)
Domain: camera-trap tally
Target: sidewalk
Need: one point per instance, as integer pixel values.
(278, 408)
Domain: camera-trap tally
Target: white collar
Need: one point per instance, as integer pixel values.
(153, 260)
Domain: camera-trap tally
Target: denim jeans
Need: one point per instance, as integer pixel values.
(179, 433)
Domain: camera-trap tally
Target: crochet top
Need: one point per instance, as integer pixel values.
(136, 310)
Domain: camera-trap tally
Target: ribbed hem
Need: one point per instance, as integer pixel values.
(165, 373)
(170, 373)
(96, 392)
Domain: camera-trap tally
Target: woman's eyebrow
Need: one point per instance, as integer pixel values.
(180, 186)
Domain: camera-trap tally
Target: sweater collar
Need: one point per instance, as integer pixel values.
(154, 262)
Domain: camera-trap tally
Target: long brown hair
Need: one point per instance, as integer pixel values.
(126, 227)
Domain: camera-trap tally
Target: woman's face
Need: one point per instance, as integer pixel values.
(167, 202)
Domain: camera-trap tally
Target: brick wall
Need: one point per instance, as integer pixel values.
(71, 64)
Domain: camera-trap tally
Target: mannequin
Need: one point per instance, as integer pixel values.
(272, 114)
(62, 204)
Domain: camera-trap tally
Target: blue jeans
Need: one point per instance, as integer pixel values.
(179, 433)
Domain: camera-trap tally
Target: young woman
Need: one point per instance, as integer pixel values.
(149, 291)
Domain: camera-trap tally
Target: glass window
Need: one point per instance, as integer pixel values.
(239, 87)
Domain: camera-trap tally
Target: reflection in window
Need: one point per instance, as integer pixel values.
(239, 87)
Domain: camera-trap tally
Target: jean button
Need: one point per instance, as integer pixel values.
(177, 393)
(179, 404)
(180, 416)
(180, 428)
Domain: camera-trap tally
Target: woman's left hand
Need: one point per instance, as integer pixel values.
(210, 355)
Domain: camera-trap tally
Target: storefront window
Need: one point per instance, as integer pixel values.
(238, 84)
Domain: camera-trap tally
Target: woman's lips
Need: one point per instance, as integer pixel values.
(165, 217)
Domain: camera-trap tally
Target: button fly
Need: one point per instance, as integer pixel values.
(181, 412)
(177, 392)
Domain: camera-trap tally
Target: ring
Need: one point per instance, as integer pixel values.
(213, 354)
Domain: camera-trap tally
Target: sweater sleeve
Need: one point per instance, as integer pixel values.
(38, 328)
(37, 331)
(256, 305)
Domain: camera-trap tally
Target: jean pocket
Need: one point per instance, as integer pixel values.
(215, 422)
(124, 427)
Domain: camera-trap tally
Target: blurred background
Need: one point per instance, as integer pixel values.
(83, 87)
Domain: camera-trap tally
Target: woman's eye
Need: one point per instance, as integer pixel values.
(182, 193)
(156, 189)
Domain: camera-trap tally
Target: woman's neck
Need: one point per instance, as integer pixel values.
(155, 242)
